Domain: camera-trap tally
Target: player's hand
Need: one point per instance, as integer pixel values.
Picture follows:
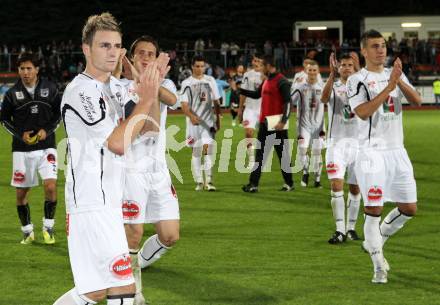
(129, 70)
(41, 135)
(217, 124)
(355, 57)
(29, 139)
(118, 70)
(149, 83)
(395, 74)
(162, 64)
(240, 115)
(279, 126)
(334, 65)
(194, 120)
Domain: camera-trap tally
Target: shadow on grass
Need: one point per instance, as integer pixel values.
(200, 289)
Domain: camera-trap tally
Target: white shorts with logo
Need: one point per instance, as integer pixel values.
(198, 135)
(98, 250)
(339, 160)
(385, 176)
(26, 165)
(149, 197)
(313, 137)
(251, 118)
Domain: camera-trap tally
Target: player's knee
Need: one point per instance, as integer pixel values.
(354, 189)
(96, 295)
(169, 239)
(373, 211)
(337, 185)
(316, 152)
(408, 209)
(50, 188)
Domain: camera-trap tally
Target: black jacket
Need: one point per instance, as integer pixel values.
(21, 112)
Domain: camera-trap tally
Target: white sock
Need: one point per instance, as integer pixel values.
(196, 167)
(151, 251)
(27, 228)
(338, 206)
(392, 223)
(71, 297)
(207, 168)
(353, 204)
(136, 270)
(48, 223)
(250, 153)
(126, 299)
(373, 240)
(304, 160)
(316, 165)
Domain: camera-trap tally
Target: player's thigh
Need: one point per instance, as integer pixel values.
(370, 173)
(304, 139)
(335, 163)
(403, 187)
(168, 231)
(135, 197)
(24, 170)
(250, 118)
(48, 164)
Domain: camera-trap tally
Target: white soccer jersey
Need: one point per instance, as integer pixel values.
(252, 81)
(310, 109)
(200, 95)
(301, 77)
(342, 123)
(149, 148)
(90, 113)
(384, 128)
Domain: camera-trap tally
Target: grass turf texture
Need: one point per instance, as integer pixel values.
(237, 248)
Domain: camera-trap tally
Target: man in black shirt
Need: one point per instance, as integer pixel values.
(31, 113)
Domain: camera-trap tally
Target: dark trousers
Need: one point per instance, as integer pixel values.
(268, 139)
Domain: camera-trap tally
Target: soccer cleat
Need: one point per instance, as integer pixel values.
(352, 235)
(48, 236)
(318, 185)
(380, 277)
(28, 238)
(199, 187)
(249, 188)
(210, 187)
(305, 180)
(337, 238)
(287, 188)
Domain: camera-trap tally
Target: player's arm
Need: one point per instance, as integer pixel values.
(252, 94)
(327, 91)
(167, 97)
(185, 97)
(366, 109)
(409, 92)
(55, 118)
(284, 86)
(6, 117)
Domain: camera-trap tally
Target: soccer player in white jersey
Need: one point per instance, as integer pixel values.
(310, 124)
(249, 109)
(91, 109)
(383, 169)
(199, 99)
(341, 153)
(301, 76)
(149, 196)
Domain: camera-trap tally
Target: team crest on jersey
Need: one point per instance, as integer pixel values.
(19, 177)
(375, 194)
(19, 95)
(44, 92)
(120, 267)
(332, 168)
(388, 106)
(348, 114)
(51, 158)
(130, 209)
(203, 97)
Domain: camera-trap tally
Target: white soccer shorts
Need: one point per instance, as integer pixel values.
(149, 197)
(251, 118)
(198, 135)
(385, 176)
(98, 250)
(339, 160)
(27, 164)
(315, 137)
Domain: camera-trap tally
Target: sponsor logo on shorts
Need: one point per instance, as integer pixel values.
(375, 193)
(120, 267)
(130, 209)
(246, 123)
(51, 158)
(332, 168)
(19, 177)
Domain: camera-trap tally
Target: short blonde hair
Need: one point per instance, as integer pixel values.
(103, 22)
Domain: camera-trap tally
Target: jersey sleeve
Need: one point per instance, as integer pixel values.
(406, 81)
(84, 114)
(245, 83)
(185, 93)
(214, 88)
(171, 87)
(357, 92)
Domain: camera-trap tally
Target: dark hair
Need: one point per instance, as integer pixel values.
(197, 58)
(370, 34)
(345, 56)
(258, 55)
(28, 56)
(144, 38)
(269, 60)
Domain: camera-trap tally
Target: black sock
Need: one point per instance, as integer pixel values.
(49, 209)
(24, 213)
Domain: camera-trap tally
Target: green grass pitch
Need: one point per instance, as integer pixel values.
(238, 249)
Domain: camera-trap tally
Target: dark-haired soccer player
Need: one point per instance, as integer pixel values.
(31, 113)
